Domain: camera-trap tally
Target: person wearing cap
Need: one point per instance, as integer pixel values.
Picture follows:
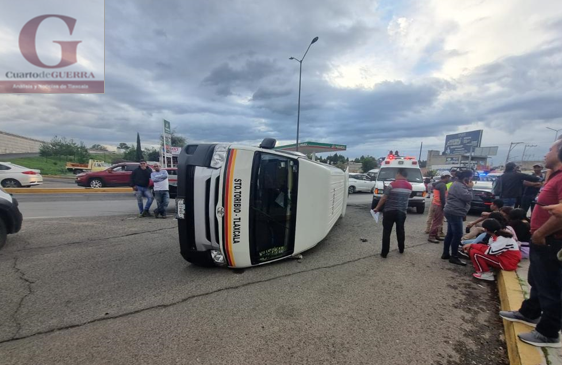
(532, 189)
(438, 204)
(161, 190)
(140, 182)
(453, 178)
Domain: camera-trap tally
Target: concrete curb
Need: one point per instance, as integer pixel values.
(511, 297)
(67, 190)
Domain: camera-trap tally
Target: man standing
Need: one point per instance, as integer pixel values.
(456, 209)
(532, 189)
(140, 181)
(543, 308)
(161, 190)
(395, 201)
(512, 184)
(438, 204)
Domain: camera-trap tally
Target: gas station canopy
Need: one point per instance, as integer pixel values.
(313, 147)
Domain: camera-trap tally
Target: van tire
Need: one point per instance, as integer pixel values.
(420, 209)
(351, 190)
(3, 233)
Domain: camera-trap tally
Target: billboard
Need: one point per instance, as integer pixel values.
(462, 143)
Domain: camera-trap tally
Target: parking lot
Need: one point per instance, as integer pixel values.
(111, 288)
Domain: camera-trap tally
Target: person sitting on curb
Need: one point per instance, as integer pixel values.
(484, 237)
(502, 252)
(476, 226)
(518, 221)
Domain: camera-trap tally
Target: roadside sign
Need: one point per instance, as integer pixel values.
(167, 129)
(486, 151)
(462, 143)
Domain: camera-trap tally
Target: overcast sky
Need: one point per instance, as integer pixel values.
(383, 74)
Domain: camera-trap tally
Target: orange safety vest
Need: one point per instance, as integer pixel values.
(437, 196)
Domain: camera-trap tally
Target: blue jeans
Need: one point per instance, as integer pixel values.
(509, 202)
(143, 192)
(454, 235)
(545, 274)
(162, 201)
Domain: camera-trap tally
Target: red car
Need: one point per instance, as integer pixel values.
(120, 175)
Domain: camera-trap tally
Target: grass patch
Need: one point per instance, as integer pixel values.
(47, 166)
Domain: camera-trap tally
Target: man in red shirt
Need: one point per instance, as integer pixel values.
(544, 306)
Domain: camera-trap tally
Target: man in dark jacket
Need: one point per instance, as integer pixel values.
(438, 205)
(140, 182)
(456, 209)
(512, 184)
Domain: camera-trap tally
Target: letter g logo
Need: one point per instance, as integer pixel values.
(27, 42)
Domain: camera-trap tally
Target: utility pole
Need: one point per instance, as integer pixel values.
(512, 145)
(421, 146)
(525, 149)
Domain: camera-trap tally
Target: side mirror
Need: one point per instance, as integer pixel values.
(268, 143)
(110, 171)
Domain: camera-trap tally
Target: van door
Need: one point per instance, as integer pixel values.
(273, 207)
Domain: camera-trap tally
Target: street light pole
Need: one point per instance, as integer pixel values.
(300, 77)
(556, 130)
(512, 145)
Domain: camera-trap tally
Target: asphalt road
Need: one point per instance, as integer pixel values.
(114, 290)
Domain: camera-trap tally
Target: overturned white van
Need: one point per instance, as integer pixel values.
(241, 206)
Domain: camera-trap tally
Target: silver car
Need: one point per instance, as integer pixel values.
(16, 176)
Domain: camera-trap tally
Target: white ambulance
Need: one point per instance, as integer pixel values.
(387, 174)
(241, 206)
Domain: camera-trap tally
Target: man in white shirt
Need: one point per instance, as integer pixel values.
(161, 190)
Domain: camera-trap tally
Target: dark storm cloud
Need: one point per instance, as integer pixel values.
(221, 72)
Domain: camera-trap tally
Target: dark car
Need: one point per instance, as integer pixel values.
(482, 196)
(10, 216)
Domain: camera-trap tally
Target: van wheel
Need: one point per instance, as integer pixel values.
(96, 183)
(351, 190)
(3, 234)
(11, 183)
(420, 209)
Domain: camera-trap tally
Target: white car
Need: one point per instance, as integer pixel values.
(16, 176)
(360, 182)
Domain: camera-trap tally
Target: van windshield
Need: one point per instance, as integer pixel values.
(389, 173)
(273, 206)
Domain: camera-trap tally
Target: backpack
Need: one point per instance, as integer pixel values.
(497, 187)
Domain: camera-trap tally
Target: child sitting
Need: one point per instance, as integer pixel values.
(502, 251)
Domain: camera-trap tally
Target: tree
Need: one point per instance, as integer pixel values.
(368, 164)
(177, 140)
(152, 154)
(123, 146)
(138, 155)
(98, 147)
